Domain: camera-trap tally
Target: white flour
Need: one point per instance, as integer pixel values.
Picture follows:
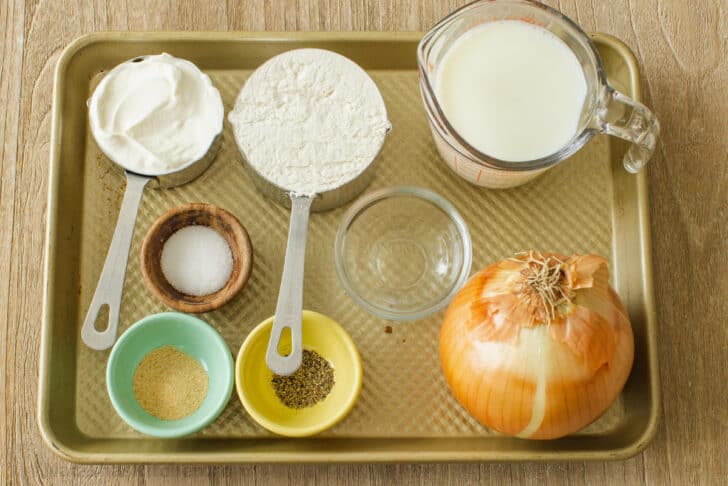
(309, 120)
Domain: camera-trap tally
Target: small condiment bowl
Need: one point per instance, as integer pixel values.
(402, 253)
(188, 334)
(191, 214)
(253, 379)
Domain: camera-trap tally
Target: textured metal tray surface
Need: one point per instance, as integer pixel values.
(405, 412)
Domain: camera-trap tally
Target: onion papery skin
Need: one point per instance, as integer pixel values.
(519, 379)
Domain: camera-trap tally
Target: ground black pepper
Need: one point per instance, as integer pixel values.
(309, 385)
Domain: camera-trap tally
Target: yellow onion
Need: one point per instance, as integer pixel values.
(537, 346)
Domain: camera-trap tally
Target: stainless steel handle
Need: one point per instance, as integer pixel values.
(111, 281)
(290, 297)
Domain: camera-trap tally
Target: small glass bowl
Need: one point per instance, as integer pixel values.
(402, 253)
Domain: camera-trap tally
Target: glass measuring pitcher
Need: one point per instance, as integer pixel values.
(605, 110)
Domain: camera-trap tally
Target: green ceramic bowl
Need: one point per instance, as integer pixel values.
(189, 335)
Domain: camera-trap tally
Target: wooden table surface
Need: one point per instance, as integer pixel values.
(683, 50)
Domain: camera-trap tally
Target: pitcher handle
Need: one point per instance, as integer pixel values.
(623, 117)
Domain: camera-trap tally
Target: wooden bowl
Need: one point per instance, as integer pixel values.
(187, 215)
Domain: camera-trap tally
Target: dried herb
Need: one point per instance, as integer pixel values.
(310, 384)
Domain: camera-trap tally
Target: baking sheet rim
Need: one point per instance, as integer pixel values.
(73, 455)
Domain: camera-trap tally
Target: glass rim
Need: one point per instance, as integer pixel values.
(437, 118)
(359, 207)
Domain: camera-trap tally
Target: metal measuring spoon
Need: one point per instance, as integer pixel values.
(289, 307)
(290, 296)
(109, 288)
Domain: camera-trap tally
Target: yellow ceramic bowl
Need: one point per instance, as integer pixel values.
(253, 378)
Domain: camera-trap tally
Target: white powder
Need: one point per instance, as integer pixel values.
(196, 260)
(309, 120)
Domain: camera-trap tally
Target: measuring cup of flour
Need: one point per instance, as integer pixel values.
(309, 123)
(160, 119)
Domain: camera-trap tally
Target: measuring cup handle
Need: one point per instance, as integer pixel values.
(108, 290)
(290, 297)
(630, 120)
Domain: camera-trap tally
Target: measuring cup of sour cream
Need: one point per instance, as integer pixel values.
(512, 87)
(159, 118)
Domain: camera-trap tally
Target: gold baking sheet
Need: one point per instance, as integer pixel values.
(587, 204)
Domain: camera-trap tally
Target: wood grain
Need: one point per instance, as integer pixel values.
(211, 216)
(681, 46)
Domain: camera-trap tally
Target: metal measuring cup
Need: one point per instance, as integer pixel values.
(109, 288)
(289, 306)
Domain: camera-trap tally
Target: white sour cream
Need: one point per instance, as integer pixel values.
(155, 115)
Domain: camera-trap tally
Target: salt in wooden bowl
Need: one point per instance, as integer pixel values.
(191, 214)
